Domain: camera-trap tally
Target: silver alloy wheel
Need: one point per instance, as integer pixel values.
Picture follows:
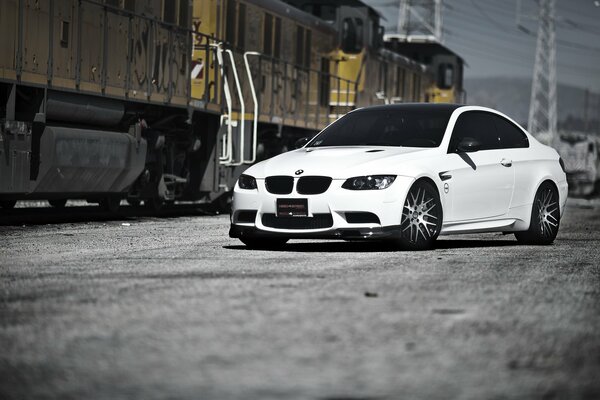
(547, 205)
(545, 217)
(420, 216)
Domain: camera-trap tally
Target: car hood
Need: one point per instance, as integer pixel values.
(339, 162)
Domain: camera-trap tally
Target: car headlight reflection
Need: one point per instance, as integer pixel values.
(247, 182)
(370, 182)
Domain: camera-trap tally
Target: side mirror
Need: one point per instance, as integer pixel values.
(468, 145)
(301, 142)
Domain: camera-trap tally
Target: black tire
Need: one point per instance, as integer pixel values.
(421, 220)
(110, 204)
(58, 203)
(545, 217)
(8, 204)
(264, 243)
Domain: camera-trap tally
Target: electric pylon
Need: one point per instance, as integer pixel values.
(542, 107)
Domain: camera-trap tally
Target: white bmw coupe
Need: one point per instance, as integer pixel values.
(405, 173)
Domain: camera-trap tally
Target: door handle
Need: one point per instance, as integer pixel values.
(506, 162)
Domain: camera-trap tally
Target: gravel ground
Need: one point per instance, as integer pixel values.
(154, 308)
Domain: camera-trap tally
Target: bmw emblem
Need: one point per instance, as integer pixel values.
(300, 171)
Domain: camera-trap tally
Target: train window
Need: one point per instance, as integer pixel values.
(348, 36)
(230, 21)
(169, 14)
(241, 26)
(307, 49)
(510, 136)
(359, 33)
(445, 76)
(299, 45)
(277, 45)
(268, 35)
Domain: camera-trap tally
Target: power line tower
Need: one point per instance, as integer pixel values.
(421, 17)
(542, 107)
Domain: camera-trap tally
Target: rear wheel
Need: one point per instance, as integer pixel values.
(421, 217)
(264, 243)
(545, 217)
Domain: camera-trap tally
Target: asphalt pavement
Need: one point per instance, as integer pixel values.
(141, 307)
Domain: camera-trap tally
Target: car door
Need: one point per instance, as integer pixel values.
(480, 179)
(515, 143)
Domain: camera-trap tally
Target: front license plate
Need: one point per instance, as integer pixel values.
(292, 207)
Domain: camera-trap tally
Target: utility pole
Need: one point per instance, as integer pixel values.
(420, 17)
(586, 105)
(542, 107)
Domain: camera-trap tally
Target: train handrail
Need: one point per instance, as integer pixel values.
(227, 157)
(255, 100)
(242, 107)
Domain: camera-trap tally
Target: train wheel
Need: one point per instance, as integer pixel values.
(8, 204)
(154, 204)
(134, 202)
(58, 203)
(110, 204)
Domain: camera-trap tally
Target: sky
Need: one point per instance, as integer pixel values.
(485, 34)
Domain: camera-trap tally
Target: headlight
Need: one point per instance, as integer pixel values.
(371, 182)
(247, 182)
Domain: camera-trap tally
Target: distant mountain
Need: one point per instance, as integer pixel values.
(511, 96)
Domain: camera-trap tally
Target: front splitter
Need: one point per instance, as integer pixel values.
(240, 231)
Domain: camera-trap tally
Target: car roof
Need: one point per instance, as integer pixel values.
(419, 107)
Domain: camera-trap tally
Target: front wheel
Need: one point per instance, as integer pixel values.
(421, 220)
(264, 243)
(545, 217)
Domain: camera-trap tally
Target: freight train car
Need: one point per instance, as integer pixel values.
(580, 153)
(161, 100)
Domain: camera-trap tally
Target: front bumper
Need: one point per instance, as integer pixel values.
(336, 204)
(240, 231)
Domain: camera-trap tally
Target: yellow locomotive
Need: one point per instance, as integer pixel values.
(161, 100)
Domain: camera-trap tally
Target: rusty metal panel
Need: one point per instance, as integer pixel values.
(8, 32)
(160, 62)
(92, 25)
(35, 37)
(118, 43)
(140, 58)
(64, 47)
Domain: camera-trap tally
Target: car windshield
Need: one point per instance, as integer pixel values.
(393, 127)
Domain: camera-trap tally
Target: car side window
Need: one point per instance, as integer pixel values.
(510, 135)
(477, 125)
